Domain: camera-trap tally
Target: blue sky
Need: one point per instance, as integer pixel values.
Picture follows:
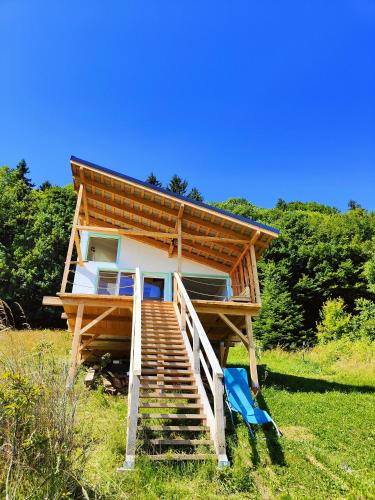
(246, 99)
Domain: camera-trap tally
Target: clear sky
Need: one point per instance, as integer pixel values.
(255, 99)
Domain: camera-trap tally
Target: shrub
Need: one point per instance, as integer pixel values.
(335, 321)
(364, 321)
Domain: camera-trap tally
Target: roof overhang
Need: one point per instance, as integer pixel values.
(209, 235)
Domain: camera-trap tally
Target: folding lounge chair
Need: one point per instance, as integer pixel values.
(239, 399)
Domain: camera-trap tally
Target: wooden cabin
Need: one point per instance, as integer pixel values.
(167, 285)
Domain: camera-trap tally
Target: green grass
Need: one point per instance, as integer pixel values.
(323, 401)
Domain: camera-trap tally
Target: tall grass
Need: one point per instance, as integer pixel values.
(41, 454)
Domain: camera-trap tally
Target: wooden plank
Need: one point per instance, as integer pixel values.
(85, 206)
(128, 232)
(71, 240)
(240, 257)
(252, 356)
(78, 248)
(75, 347)
(255, 275)
(236, 330)
(179, 247)
(52, 301)
(179, 216)
(97, 320)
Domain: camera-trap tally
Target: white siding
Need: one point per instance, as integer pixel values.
(133, 254)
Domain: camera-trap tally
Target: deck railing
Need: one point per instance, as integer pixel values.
(202, 357)
(134, 372)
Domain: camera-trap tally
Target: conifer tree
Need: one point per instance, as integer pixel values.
(195, 194)
(177, 185)
(152, 179)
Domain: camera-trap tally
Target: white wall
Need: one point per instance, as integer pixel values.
(133, 254)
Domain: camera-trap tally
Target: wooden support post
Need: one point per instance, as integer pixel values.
(235, 329)
(179, 247)
(219, 420)
(78, 248)
(71, 241)
(252, 357)
(223, 354)
(255, 275)
(179, 217)
(85, 205)
(131, 434)
(75, 346)
(183, 314)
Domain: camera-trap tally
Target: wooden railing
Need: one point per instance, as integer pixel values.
(202, 356)
(134, 373)
(244, 276)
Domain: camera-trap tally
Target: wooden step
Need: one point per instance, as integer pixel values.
(166, 371)
(163, 357)
(180, 442)
(182, 456)
(164, 345)
(170, 352)
(168, 355)
(158, 395)
(171, 387)
(167, 379)
(171, 405)
(176, 428)
(172, 416)
(167, 364)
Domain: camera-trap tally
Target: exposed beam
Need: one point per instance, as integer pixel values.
(245, 225)
(128, 232)
(97, 320)
(252, 356)
(133, 224)
(210, 226)
(236, 330)
(150, 217)
(85, 206)
(241, 256)
(172, 243)
(189, 237)
(78, 248)
(72, 239)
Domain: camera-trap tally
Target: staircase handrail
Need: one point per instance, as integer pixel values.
(210, 353)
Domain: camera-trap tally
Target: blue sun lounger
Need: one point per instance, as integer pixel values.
(239, 399)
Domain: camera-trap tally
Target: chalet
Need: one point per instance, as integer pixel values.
(167, 285)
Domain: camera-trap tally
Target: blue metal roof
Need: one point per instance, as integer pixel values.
(174, 195)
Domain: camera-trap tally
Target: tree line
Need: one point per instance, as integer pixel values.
(317, 278)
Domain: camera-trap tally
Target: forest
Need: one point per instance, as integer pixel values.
(317, 278)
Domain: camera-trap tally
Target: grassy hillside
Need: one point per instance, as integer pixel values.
(323, 401)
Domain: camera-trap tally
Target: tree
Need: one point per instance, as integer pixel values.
(45, 185)
(281, 321)
(151, 179)
(195, 195)
(281, 204)
(21, 171)
(177, 185)
(335, 321)
(353, 205)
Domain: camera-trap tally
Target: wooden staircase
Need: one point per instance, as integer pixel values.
(172, 422)
(169, 411)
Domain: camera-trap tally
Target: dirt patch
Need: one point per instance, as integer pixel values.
(297, 433)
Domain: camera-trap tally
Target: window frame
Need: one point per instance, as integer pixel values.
(104, 236)
(111, 270)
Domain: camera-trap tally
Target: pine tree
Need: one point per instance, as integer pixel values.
(177, 185)
(281, 204)
(152, 179)
(45, 185)
(280, 322)
(195, 195)
(21, 172)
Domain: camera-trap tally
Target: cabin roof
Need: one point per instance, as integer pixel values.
(118, 200)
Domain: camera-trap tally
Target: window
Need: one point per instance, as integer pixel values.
(102, 249)
(115, 283)
(200, 287)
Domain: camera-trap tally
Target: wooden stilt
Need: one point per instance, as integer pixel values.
(75, 346)
(252, 358)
